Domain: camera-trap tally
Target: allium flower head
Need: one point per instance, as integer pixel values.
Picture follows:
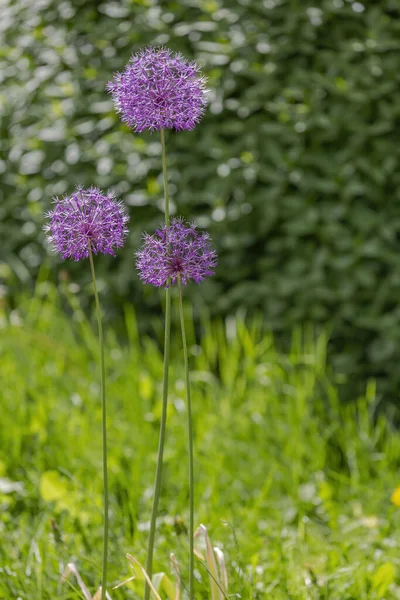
(176, 250)
(159, 89)
(86, 217)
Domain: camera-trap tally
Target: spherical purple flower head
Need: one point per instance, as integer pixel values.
(159, 89)
(86, 217)
(176, 250)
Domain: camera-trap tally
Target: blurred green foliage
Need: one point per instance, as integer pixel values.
(294, 168)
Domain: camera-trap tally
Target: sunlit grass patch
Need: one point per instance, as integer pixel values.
(295, 488)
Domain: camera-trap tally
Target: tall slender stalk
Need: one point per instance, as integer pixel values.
(104, 429)
(165, 176)
(190, 443)
(163, 422)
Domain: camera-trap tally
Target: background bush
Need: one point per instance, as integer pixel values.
(294, 168)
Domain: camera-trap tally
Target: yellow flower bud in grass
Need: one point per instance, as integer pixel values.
(395, 498)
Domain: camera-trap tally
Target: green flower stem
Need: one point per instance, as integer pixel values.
(190, 441)
(163, 422)
(165, 175)
(104, 430)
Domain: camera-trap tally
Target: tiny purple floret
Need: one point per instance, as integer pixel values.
(159, 89)
(176, 250)
(88, 217)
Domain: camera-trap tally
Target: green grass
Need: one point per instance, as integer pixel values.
(294, 488)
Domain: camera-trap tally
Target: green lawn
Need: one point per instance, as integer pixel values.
(294, 489)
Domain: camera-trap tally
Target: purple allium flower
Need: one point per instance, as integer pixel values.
(176, 250)
(159, 89)
(86, 216)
